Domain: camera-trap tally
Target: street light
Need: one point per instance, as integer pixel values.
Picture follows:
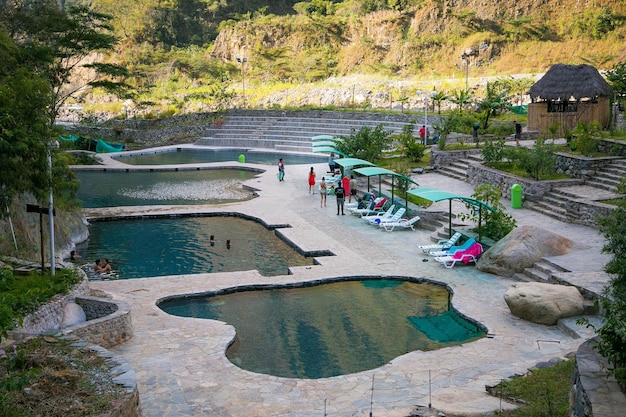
(425, 98)
(51, 146)
(465, 57)
(243, 61)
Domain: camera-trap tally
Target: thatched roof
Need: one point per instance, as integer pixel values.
(565, 82)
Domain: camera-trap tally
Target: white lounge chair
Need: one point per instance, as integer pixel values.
(380, 215)
(442, 244)
(402, 223)
(466, 256)
(396, 216)
(377, 206)
(453, 249)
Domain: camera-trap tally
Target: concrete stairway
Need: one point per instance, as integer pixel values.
(284, 133)
(609, 176)
(458, 169)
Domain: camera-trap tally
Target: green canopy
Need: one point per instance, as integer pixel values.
(434, 195)
(371, 171)
(324, 137)
(328, 149)
(352, 162)
(324, 143)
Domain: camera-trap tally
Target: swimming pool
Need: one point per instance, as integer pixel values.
(149, 247)
(329, 329)
(139, 188)
(175, 156)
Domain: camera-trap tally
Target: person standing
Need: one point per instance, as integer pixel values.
(331, 162)
(518, 132)
(311, 181)
(340, 193)
(475, 131)
(423, 134)
(353, 185)
(323, 191)
(281, 170)
(346, 185)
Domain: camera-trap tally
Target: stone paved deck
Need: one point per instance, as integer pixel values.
(180, 363)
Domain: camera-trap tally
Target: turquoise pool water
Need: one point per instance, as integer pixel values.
(331, 329)
(139, 188)
(196, 156)
(173, 246)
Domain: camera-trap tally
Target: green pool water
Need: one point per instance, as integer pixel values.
(331, 329)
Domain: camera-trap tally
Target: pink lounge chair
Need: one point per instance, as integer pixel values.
(471, 254)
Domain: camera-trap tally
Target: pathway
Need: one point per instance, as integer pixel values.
(180, 364)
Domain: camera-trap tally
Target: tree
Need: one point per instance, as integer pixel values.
(59, 43)
(495, 224)
(493, 103)
(462, 98)
(411, 146)
(23, 125)
(612, 334)
(617, 78)
(367, 143)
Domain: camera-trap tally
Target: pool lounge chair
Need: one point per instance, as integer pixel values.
(402, 223)
(396, 216)
(380, 215)
(466, 256)
(442, 244)
(376, 206)
(453, 249)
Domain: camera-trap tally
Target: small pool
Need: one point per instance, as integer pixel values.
(176, 246)
(175, 156)
(140, 188)
(331, 329)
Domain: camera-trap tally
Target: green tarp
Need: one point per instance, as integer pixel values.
(446, 327)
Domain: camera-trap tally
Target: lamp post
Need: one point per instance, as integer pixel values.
(425, 98)
(243, 61)
(465, 57)
(51, 146)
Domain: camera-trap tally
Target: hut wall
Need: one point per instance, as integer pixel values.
(539, 119)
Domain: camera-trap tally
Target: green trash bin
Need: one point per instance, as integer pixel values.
(516, 196)
(242, 159)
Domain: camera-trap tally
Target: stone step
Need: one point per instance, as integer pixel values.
(548, 211)
(537, 275)
(520, 276)
(452, 174)
(577, 330)
(602, 185)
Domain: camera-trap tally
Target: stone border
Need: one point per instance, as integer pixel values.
(121, 373)
(593, 393)
(49, 316)
(108, 322)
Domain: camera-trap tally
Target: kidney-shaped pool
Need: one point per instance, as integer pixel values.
(320, 330)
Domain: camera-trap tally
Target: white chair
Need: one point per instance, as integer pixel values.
(380, 215)
(442, 244)
(396, 216)
(402, 223)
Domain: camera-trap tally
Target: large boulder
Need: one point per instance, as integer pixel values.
(543, 303)
(73, 314)
(520, 249)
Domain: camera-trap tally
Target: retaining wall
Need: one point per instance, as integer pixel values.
(49, 316)
(108, 322)
(593, 393)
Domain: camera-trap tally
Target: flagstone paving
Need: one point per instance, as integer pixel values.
(180, 364)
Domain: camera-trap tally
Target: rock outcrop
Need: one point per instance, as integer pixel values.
(520, 249)
(543, 303)
(73, 314)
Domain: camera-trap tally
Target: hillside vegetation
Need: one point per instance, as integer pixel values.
(182, 53)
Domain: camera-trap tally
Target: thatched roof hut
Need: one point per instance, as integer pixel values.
(570, 82)
(567, 95)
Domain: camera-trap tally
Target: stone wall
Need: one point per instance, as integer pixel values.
(532, 190)
(593, 393)
(108, 322)
(49, 316)
(152, 131)
(580, 166)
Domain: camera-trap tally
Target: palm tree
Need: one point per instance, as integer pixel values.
(462, 98)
